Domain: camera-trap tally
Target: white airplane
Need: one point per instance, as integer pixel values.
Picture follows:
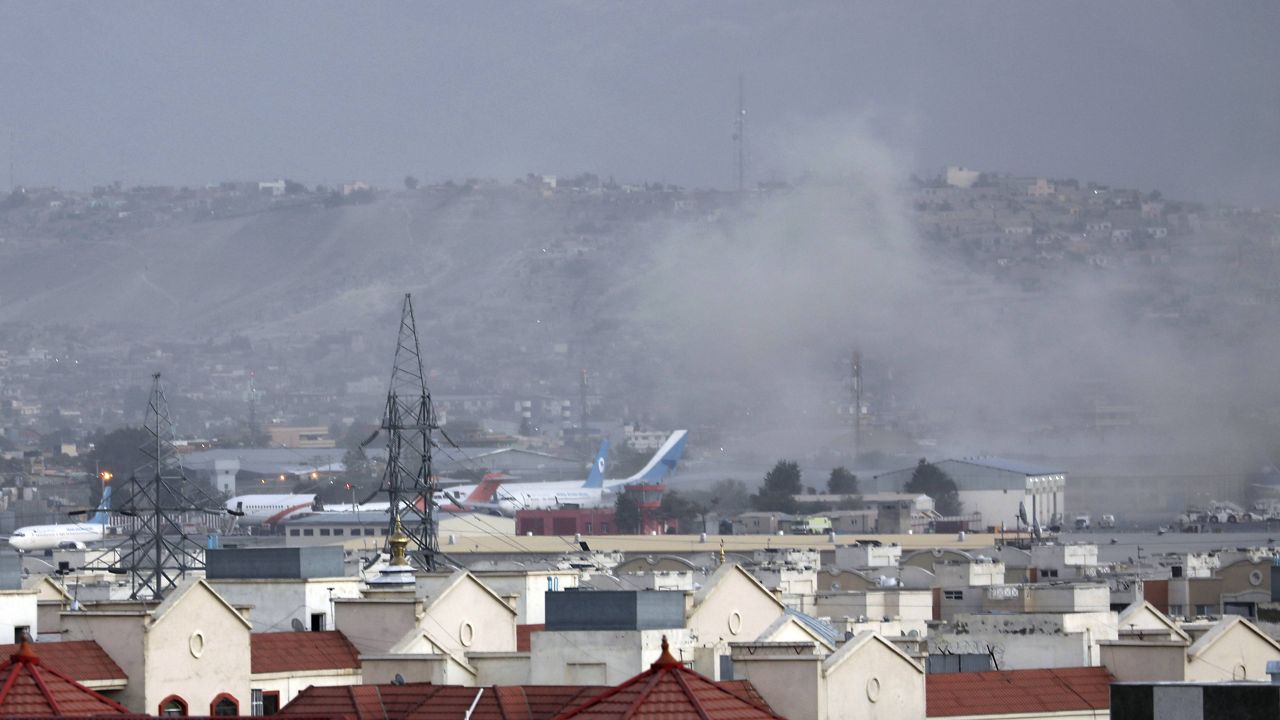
(595, 492)
(270, 509)
(64, 535)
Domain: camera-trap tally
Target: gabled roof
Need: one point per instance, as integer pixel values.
(81, 660)
(1007, 692)
(439, 585)
(670, 691)
(1008, 465)
(171, 600)
(1144, 607)
(717, 579)
(298, 651)
(821, 631)
(1221, 629)
(850, 648)
(29, 689)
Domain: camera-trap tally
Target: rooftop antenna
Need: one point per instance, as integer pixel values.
(160, 550)
(740, 138)
(409, 421)
(582, 401)
(855, 388)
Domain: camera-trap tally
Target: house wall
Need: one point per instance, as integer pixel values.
(121, 636)
(530, 590)
(1141, 661)
(198, 649)
(290, 684)
(373, 626)
(468, 618)
(501, 668)
(18, 608)
(791, 685)
(276, 603)
(876, 683)
(1240, 655)
(600, 657)
(737, 609)
(425, 667)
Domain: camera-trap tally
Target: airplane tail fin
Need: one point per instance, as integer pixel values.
(100, 517)
(487, 488)
(596, 478)
(663, 461)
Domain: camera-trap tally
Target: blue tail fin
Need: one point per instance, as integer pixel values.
(663, 461)
(596, 478)
(100, 517)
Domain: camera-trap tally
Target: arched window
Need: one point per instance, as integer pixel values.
(224, 705)
(173, 706)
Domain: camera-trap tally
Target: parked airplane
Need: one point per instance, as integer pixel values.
(596, 491)
(270, 509)
(62, 535)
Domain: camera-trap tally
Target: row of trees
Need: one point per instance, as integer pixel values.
(783, 485)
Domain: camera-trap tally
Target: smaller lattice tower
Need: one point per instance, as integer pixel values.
(162, 508)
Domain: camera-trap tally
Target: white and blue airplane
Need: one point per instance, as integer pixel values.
(596, 491)
(64, 535)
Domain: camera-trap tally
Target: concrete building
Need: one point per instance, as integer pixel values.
(19, 615)
(284, 588)
(868, 678)
(185, 655)
(995, 488)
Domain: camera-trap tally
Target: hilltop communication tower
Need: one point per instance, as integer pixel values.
(410, 422)
(855, 389)
(162, 507)
(740, 139)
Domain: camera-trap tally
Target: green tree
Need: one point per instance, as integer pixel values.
(685, 513)
(781, 485)
(842, 482)
(626, 514)
(929, 480)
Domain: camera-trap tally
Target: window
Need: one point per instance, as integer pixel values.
(1176, 570)
(173, 706)
(255, 702)
(224, 705)
(317, 622)
(1206, 610)
(295, 532)
(270, 702)
(324, 532)
(337, 531)
(20, 633)
(1048, 572)
(588, 527)
(368, 531)
(604, 528)
(385, 531)
(308, 532)
(953, 594)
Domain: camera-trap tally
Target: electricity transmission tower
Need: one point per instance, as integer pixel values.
(162, 507)
(410, 422)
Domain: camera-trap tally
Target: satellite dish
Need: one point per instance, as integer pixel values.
(398, 679)
(297, 625)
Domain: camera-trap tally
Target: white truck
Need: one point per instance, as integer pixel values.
(1082, 522)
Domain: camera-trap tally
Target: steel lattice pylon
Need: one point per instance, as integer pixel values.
(158, 551)
(409, 422)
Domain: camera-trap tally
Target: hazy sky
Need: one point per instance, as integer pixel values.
(1180, 97)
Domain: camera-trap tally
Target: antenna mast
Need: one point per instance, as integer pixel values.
(159, 550)
(855, 387)
(409, 421)
(740, 139)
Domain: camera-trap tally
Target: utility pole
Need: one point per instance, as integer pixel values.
(740, 138)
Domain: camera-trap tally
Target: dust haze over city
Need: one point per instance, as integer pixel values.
(1049, 232)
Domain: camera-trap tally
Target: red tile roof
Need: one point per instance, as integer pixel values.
(29, 689)
(301, 651)
(670, 691)
(1018, 691)
(80, 660)
(425, 701)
